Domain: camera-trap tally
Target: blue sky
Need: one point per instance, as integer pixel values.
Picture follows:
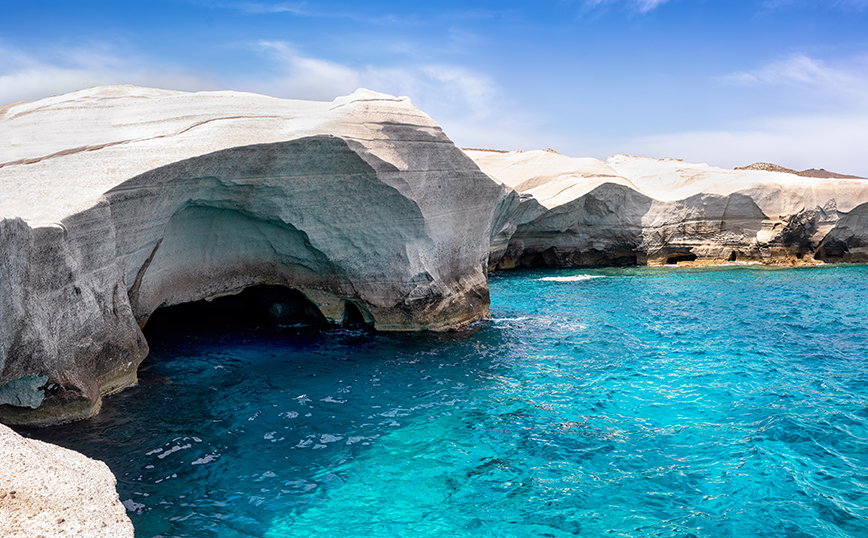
(723, 82)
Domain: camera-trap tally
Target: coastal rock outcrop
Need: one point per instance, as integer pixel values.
(121, 200)
(46, 490)
(633, 210)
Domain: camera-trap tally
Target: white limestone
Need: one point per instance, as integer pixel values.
(641, 210)
(46, 490)
(119, 200)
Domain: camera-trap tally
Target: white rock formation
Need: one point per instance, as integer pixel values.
(46, 490)
(119, 200)
(648, 211)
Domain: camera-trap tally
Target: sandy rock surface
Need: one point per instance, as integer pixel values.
(49, 491)
(629, 209)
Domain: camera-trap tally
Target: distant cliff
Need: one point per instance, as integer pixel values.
(811, 172)
(633, 210)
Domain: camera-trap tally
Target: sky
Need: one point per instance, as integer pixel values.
(726, 82)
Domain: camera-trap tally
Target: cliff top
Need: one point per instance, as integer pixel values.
(810, 172)
(60, 154)
(555, 179)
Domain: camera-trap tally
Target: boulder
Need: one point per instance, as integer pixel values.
(121, 200)
(46, 490)
(633, 210)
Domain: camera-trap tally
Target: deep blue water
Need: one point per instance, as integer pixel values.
(723, 402)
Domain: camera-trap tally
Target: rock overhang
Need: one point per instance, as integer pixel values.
(362, 202)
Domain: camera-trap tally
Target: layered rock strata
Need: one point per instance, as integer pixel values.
(632, 210)
(120, 200)
(46, 490)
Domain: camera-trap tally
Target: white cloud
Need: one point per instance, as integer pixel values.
(834, 143)
(256, 8)
(826, 128)
(308, 78)
(840, 88)
(845, 5)
(461, 100)
(801, 70)
(642, 6)
(475, 90)
(647, 5)
(440, 90)
(30, 77)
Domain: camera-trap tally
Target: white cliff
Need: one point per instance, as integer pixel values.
(119, 200)
(657, 211)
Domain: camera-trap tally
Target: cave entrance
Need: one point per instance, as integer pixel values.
(256, 306)
(353, 316)
(675, 258)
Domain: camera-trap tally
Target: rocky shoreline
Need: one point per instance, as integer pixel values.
(129, 199)
(121, 200)
(639, 211)
(46, 490)
(126, 199)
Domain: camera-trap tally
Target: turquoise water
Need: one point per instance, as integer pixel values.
(612, 402)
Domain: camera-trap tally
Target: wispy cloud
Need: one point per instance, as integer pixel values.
(647, 5)
(304, 9)
(307, 78)
(846, 82)
(846, 5)
(436, 88)
(29, 76)
(825, 124)
(833, 143)
(259, 8)
(642, 6)
(440, 88)
(796, 69)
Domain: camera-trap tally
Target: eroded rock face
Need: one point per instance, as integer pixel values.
(632, 210)
(126, 199)
(46, 490)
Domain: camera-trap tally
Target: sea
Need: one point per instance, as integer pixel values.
(620, 402)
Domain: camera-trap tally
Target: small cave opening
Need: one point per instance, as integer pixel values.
(257, 306)
(353, 317)
(832, 250)
(733, 256)
(674, 259)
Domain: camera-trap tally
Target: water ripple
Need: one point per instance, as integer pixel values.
(721, 402)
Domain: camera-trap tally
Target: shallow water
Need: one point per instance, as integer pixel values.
(640, 402)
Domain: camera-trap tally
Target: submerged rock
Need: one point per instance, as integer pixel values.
(632, 210)
(46, 490)
(120, 200)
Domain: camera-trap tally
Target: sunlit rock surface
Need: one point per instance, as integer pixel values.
(637, 210)
(119, 200)
(46, 490)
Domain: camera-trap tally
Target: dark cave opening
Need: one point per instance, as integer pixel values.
(353, 316)
(733, 256)
(256, 306)
(674, 259)
(567, 258)
(832, 250)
